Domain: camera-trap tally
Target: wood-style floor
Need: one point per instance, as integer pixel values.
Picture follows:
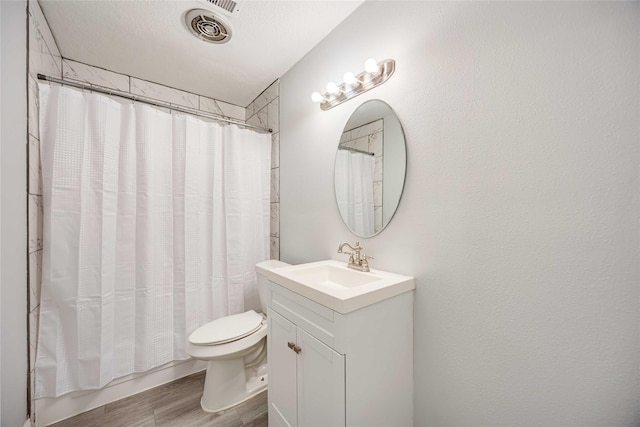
(176, 404)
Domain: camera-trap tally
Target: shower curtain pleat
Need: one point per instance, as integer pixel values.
(153, 223)
(354, 191)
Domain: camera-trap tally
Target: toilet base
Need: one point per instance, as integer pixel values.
(229, 383)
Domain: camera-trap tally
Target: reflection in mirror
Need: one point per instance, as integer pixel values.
(370, 168)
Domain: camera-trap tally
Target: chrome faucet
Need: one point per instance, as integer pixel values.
(356, 261)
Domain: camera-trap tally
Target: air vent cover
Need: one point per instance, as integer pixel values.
(228, 5)
(207, 26)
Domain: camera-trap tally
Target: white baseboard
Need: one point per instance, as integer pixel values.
(52, 410)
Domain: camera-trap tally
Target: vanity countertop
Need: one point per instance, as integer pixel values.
(332, 284)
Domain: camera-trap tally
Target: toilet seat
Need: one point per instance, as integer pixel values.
(227, 329)
(230, 349)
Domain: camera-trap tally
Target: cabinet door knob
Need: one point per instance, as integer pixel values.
(291, 345)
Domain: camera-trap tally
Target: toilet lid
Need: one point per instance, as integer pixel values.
(227, 329)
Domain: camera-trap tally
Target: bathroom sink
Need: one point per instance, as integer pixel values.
(334, 285)
(327, 274)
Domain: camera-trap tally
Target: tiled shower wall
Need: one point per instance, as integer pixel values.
(265, 111)
(45, 58)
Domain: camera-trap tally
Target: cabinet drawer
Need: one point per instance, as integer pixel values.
(316, 319)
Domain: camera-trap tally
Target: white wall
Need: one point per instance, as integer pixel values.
(13, 285)
(520, 216)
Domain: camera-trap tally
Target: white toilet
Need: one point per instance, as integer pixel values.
(235, 348)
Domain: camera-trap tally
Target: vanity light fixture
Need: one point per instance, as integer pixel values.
(333, 89)
(374, 74)
(317, 97)
(351, 80)
(371, 66)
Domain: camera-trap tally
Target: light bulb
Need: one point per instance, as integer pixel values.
(316, 97)
(350, 79)
(332, 88)
(371, 66)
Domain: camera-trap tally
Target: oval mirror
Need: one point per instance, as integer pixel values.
(370, 168)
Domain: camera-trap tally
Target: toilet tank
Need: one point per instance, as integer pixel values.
(263, 282)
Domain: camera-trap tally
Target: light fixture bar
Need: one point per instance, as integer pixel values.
(363, 82)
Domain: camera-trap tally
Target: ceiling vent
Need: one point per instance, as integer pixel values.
(227, 5)
(207, 26)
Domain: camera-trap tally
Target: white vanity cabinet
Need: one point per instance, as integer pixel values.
(331, 369)
(303, 379)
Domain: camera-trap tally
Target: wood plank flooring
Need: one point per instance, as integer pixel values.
(176, 404)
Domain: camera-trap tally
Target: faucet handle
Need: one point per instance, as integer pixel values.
(364, 263)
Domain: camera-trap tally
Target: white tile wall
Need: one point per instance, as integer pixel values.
(44, 56)
(273, 115)
(275, 248)
(35, 278)
(38, 19)
(275, 150)
(210, 105)
(35, 169)
(95, 76)
(375, 143)
(34, 129)
(270, 94)
(361, 143)
(275, 185)
(222, 108)
(35, 223)
(346, 136)
(32, 381)
(34, 316)
(265, 111)
(377, 171)
(259, 119)
(39, 57)
(377, 218)
(377, 191)
(368, 129)
(232, 111)
(275, 220)
(164, 93)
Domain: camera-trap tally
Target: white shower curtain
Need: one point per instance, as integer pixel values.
(354, 190)
(153, 223)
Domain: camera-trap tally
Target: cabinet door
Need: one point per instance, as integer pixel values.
(321, 393)
(282, 372)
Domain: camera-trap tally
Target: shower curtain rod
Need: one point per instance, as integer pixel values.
(155, 104)
(356, 150)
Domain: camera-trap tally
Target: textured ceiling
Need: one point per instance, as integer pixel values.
(148, 40)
